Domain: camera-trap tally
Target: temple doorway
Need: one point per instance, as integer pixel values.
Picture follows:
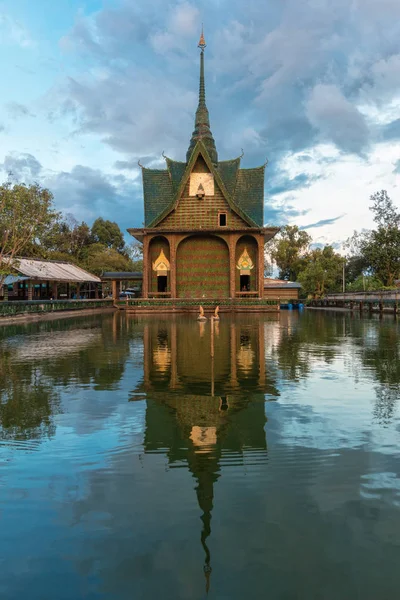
(162, 282)
(245, 283)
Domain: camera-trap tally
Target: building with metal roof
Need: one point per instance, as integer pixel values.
(280, 289)
(44, 279)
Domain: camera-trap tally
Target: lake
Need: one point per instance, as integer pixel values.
(133, 464)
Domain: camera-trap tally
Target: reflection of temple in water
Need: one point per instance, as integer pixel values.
(203, 411)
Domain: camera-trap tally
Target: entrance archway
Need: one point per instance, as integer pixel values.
(246, 264)
(202, 269)
(159, 258)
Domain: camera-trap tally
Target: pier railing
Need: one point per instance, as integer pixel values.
(372, 301)
(379, 296)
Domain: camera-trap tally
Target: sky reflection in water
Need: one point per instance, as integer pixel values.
(132, 465)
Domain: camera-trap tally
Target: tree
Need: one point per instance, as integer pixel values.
(26, 213)
(364, 283)
(289, 251)
(380, 248)
(322, 273)
(135, 253)
(100, 258)
(108, 234)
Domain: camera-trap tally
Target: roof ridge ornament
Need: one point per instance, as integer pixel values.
(202, 43)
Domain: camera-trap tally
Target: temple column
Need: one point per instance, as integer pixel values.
(5, 297)
(172, 261)
(145, 287)
(232, 272)
(30, 289)
(260, 266)
(114, 290)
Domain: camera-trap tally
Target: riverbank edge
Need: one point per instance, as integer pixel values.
(23, 318)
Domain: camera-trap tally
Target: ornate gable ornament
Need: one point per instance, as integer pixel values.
(161, 264)
(245, 264)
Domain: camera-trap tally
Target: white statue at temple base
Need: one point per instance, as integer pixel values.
(201, 316)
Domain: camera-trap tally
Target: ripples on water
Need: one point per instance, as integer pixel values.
(132, 465)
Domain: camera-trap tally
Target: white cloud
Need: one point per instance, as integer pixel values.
(183, 22)
(337, 119)
(11, 31)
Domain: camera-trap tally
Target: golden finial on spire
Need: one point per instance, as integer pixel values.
(202, 43)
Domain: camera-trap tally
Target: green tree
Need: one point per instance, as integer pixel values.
(26, 214)
(100, 258)
(380, 248)
(322, 272)
(289, 251)
(364, 283)
(108, 234)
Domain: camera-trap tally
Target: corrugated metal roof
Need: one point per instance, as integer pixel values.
(53, 270)
(280, 283)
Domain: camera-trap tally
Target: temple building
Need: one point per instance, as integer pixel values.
(203, 234)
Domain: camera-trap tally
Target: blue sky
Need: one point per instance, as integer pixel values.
(314, 86)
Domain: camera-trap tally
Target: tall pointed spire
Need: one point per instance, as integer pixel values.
(202, 129)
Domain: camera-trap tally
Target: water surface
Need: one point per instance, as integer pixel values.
(133, 465)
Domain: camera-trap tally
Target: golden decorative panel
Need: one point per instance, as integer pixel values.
(161, 264)
(245, 264)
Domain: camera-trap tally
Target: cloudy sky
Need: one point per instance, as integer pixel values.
(89, 87)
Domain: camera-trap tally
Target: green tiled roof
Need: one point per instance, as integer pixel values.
(244, 186)
(158, 193)
(249, 193)
(177, 171)
(228, 171)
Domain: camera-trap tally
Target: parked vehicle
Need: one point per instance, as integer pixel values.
(126, 294)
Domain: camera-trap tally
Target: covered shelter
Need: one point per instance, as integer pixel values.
(279, 289)
(119, 278)
(36, 279)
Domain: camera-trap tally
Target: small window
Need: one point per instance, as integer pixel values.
(222, 219)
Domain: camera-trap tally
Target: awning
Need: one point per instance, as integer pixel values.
(11, 279)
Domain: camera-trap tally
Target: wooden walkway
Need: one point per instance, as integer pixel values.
(370, 301)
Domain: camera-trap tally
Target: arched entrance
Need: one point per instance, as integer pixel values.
(202, 269)
(246, 271)
(159, 265)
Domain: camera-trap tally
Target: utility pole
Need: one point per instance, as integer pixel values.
(344, 276)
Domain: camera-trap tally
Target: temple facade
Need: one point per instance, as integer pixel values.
(203, 234)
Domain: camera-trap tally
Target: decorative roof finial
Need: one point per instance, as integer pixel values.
(202, 43)
(202, 129)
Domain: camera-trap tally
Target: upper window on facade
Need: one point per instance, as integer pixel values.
(222, 219)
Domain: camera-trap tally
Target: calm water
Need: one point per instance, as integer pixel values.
(133, 466)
